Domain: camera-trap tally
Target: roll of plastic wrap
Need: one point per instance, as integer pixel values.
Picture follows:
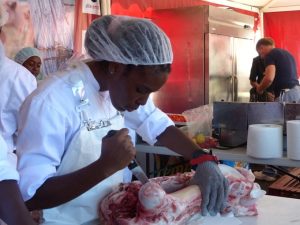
(265, 141)
(293, 139)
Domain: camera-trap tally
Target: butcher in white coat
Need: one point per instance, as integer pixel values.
(66, 165)
(15, 84)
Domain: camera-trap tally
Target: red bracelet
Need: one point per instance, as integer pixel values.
(203, 158)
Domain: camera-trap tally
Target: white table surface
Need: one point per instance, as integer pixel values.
(234, 154)
(275, 211)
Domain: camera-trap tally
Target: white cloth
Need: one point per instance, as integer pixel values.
(49, 118)
(7, 167)
(16, 83)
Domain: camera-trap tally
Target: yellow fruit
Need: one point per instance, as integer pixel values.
(200, 138)
(194, 140)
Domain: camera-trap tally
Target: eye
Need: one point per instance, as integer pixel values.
(30, 63)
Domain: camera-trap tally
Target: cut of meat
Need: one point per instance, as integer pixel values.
(157, 207)
(171, 200)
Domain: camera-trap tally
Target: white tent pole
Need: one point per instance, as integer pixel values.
(261, 16)
(105, 7)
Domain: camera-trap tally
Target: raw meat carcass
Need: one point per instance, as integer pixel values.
(171, 200)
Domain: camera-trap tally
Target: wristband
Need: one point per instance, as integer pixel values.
(200, 157)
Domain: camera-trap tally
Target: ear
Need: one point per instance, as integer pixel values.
(115, 70)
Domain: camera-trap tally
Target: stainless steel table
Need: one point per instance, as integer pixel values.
(234, 154)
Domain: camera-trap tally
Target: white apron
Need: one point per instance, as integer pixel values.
(84, 149)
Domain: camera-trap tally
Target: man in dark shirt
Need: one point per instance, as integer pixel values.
(257, 71)
(256, 76)
(280, 72)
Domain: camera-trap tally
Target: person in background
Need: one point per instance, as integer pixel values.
(256, 76)
(280, 72)
(65, 168)
(16, 83)
(281, 76)
(12, 92)
(31, 59)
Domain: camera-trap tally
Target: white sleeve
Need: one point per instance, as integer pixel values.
(24, 84)
(21, 86)
(7, 167)
(40, 144)
(148, 121)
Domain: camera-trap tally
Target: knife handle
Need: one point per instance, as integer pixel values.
(132, 164)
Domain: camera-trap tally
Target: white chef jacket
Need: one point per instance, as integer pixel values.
(49, 120)
(7, 167)
(16, 83)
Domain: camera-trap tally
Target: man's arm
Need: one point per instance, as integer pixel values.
(12, 208)
(116, 154)
(267, 80)
(253, 83)
(212, 183)
(61, 189)
(156, 128)
(254, 73)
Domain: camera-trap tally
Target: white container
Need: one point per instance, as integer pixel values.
(265, 141)
(293, 139)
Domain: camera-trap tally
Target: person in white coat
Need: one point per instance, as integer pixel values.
(16, 83)
(64, 166)
(12, 91)
(31, 59)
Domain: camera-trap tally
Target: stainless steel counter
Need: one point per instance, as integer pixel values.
(234, 154)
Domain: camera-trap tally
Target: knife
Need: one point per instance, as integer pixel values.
(138, 172)
(134, 167)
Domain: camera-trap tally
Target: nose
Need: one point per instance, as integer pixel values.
(36, 67)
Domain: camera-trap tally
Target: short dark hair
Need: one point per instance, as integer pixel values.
(266, 41)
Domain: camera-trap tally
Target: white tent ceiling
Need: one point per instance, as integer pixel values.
(271, 5)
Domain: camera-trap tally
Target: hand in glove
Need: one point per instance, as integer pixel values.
(213, 186)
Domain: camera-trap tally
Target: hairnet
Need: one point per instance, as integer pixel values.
(3, 15)
(128, 40)
(26, 53)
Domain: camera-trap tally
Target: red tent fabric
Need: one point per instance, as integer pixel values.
(142, 8)
(138, 8)
(81, 22)
(284, 28)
